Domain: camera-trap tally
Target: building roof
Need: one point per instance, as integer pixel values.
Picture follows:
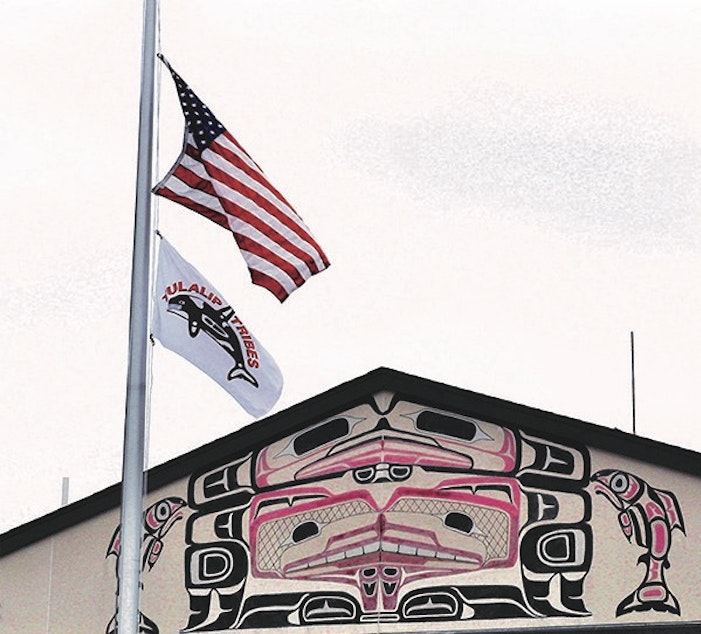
(346, 396)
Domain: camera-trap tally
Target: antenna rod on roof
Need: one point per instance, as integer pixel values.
(632, 374)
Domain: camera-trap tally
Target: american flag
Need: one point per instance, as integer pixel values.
(216, 177)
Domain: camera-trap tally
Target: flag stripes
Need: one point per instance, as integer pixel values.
(267, 215)
(216, 178)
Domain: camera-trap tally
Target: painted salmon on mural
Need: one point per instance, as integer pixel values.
(647, 517)
(390, 512)
(159, 518)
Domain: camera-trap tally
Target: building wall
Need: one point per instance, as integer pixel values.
(392, 516)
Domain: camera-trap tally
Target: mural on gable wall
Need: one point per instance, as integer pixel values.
(396, 512)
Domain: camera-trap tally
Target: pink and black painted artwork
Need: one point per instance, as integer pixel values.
(647, 517)
(392, 508)
(397, 512)
(158, 519)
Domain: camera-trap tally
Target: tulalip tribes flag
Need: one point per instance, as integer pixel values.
(192, 318)
(215, 177)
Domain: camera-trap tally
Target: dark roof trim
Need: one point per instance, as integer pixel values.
(343, 397)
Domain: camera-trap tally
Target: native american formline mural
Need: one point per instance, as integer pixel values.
(397, 512)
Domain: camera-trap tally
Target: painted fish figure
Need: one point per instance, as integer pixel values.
(202, 317)
(158, 520)
(647, 517)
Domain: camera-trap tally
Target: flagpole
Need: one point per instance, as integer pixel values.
(129, 566)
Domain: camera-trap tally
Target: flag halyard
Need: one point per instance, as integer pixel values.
(215, 177)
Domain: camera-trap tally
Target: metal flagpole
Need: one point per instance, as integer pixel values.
(129, 566)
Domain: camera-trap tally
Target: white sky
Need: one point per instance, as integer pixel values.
(505, 189)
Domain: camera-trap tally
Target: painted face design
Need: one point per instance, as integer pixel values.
(358, 516)
(382, 502)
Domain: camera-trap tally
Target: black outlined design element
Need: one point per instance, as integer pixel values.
(388, 509)
(647, 517)
(159, 518)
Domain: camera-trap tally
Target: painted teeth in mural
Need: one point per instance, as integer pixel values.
(647, 517)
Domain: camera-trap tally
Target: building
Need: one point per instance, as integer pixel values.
(390, 503)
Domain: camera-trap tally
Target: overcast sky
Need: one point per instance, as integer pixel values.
(505, 190)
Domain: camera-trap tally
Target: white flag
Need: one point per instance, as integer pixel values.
(191, 317)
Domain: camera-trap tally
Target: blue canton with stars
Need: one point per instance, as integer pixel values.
(201, 122)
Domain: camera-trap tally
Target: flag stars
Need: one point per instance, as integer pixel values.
(201, 123)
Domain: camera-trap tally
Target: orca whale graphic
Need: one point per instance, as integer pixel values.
(203, 317)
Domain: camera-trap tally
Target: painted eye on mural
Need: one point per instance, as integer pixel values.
(399, 472)
(453, 426)
(619, 483)
(364, 475)
(382, 472)
(305, 530)
(461, 523)
(157, 515)
(162, 512)
(321, 435)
